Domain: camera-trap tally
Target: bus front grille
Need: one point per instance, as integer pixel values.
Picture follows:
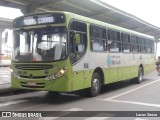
(33, 77)
(33, 67)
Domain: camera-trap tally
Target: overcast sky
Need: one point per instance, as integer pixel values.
(10, 13)
(148, 10)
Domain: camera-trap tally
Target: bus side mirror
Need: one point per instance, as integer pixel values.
(77, 39)
(6, 36)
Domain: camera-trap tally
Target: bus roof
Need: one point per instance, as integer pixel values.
(103, 24)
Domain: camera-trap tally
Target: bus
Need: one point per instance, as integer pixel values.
(65, 52)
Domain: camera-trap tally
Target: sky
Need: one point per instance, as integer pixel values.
(9, 13)
(148, 10)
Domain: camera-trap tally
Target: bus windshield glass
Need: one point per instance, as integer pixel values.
(47, 44)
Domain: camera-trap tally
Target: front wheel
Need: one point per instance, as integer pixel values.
(95, 84)
(140, 75)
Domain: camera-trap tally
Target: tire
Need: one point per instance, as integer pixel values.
(95, 84)
(140, 75)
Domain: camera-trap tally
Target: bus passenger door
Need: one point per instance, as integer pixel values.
(78, 47)
(78, 59)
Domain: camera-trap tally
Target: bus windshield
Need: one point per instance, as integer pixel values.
(47, 44)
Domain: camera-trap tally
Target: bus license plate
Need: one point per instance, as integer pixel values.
(31, 83)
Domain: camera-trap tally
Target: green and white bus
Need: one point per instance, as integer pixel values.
(65, 52)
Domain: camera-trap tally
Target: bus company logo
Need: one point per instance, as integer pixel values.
(108, 60)
(6, 114)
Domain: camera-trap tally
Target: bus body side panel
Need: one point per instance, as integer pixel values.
(149, 63)
(82, 74)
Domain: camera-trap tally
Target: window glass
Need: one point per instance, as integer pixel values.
(114, 47)
(113, 35)
(147, 42)
(45, 44)
(142, 49)
(125, 47)
(94, 32)
(152, 43)
(98, 38)
(98, 45)
(152, 49)
(77, 50)
(148, 49)
(125, 37)
(152, 46)
(134, 39)
(135, 48)
(141, 41)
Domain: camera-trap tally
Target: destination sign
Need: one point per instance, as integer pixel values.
(38, 19)
(49, 19)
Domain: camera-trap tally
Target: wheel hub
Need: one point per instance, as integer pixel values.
(96, 84)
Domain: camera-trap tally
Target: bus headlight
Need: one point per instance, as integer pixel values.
(11, 70)
(58, 74)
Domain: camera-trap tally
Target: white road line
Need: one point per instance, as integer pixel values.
(113, 97)
(13, 102)
(48, 118)
(140, 119)
(54, 118)
(137, 103)
(31, 107)
(74, 109)
(97, 118)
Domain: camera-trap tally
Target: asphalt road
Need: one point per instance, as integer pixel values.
(122, 96)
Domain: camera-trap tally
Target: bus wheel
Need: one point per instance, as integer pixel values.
(140, 75)
(95, 84)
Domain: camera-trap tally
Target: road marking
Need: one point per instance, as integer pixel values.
(97, 118)
(53, 118)
(113, 97)
(141, 119)
(137, 103)
(31, 107)
(74, 109)
(13, 102)
(48, 118)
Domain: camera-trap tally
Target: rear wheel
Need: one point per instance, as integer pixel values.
(140, 75)
(95, 84)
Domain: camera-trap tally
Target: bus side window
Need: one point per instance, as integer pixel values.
(98, 38)
(126, 47)
(114, 41)
(77, 50)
